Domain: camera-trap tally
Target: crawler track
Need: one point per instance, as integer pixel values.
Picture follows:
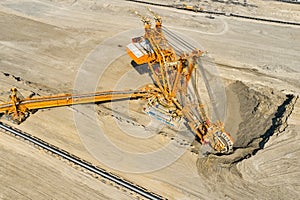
(79, 162)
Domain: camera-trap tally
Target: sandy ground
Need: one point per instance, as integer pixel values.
(27, 173)
(43, 48)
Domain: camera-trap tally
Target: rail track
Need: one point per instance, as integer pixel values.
(218, 13)
(79, 162)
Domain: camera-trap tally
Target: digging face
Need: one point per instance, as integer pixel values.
(257, 109)
(256, 114)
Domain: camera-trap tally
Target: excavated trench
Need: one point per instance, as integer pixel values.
(257, 114)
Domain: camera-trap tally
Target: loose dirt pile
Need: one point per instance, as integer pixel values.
(262, 112)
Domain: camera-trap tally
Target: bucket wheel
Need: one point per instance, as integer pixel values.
(223, 143)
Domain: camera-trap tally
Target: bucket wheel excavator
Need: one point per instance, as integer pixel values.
(172, 98)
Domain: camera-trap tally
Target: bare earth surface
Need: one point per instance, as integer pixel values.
(45, 44)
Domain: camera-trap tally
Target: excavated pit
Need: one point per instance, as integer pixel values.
(255, 113)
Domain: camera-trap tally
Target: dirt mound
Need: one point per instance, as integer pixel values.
(260, 112)
(257, 108)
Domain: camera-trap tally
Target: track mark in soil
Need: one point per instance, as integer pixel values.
(36, 86)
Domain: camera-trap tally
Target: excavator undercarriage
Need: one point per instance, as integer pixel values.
(173, 97)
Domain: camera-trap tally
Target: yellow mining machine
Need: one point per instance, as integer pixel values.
(168, 98)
